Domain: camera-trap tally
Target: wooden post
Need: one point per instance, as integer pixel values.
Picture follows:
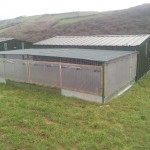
(60, 69)
(103, 83)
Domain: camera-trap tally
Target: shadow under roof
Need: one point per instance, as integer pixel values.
(85, 54)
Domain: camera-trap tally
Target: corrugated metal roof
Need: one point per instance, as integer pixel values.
(5, 39)
(86, 54)
(99, 40)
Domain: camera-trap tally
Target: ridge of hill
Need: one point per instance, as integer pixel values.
(135, 20)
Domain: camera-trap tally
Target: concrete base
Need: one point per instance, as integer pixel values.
(70, 93)
(2, 80)
(84, 96)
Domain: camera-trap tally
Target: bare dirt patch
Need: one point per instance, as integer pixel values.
(49, 122)
(2, 134)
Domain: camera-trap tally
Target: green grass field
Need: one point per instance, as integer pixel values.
(32, 120)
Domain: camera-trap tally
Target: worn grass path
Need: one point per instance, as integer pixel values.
(31, 120)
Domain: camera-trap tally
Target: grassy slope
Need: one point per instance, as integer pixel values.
(134, 20)
(34, 27)
(40, 121)
(4, 24)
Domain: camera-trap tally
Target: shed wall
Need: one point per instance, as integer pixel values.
(76, 77)
(143, 64)
(143, 61)
(119, 73)
(15, 44)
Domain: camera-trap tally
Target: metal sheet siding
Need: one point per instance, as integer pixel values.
(143, 65)
(14, 44)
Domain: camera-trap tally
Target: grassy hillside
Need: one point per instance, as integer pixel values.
(134, 20)
(42, 121)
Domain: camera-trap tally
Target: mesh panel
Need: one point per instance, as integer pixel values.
(81, 78)
(45, 73)
(1, 68)
(118, 73)
(68, 76)
(15, 70)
